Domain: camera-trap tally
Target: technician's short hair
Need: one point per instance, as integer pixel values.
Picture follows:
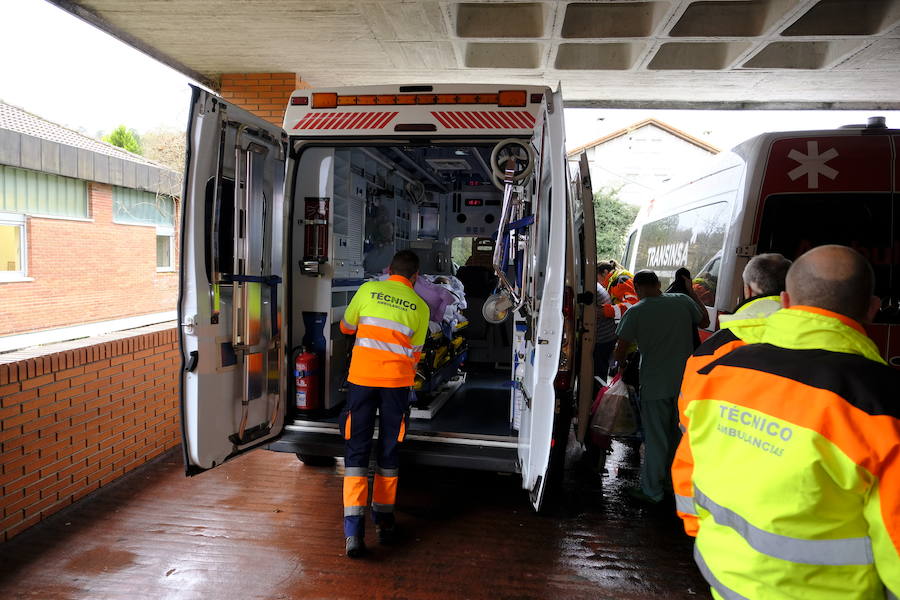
(645, 277)
(405, 263)
(766, 273)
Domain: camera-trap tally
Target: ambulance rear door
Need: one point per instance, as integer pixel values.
(231, 295)
(586, 231)
(543, 350)
(833, 188)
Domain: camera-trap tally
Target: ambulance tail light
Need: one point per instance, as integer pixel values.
(299, 100)
(512, 98)
(324, 100)
(563, 380)
(537, 98)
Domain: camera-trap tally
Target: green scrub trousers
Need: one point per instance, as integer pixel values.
(659, 417)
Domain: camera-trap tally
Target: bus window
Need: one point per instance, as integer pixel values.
(794, 223)
(691, 239)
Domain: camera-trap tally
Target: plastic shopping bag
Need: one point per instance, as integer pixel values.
(612, 413)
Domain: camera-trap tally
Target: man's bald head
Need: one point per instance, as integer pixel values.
(836, 278)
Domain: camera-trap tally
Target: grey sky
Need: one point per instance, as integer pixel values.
(88, 80)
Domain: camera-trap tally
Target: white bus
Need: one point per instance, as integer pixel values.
(281, 225)
(782, 192)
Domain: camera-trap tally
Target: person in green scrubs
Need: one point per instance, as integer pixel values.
(662, 326)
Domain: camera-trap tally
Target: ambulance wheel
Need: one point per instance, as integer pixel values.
(311, 460)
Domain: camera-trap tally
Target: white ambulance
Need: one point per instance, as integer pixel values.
(282, 225)
(782, 192)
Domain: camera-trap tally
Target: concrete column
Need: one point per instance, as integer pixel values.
(264, 94)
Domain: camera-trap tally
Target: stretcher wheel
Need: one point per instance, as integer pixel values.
(312, 460)
(522, 155)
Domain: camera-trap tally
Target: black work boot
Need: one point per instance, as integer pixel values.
(387, 533)
(356, 546)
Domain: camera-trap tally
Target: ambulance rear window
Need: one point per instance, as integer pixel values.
(794, 223)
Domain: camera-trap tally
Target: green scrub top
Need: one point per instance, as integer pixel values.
(661, 326)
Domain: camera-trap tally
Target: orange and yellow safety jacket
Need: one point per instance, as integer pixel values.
(788, 472)
(390, 322)
(749, 319)
(621, 290)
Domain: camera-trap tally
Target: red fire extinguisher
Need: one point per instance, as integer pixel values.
(306, 371)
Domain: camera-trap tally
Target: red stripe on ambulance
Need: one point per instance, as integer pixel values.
(458, 119)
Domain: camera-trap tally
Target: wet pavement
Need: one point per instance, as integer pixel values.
(266, 526)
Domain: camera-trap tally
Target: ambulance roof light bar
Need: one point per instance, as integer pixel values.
(503, 98)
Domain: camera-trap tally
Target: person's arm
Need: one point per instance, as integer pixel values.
(421, 332)
(621, 353)
(625, 332)
(882, 513)
(351, 314)
(703, 323)
(682, 475)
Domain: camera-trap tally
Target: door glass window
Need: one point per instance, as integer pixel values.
(794, 223)
(691, 239)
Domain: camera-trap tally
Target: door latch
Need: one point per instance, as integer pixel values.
(189, 324)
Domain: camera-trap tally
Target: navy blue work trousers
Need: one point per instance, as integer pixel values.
(358, 426)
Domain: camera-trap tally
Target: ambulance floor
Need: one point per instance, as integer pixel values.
(266, 526)
(480, 406)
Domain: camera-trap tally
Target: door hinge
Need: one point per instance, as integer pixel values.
(747, 251)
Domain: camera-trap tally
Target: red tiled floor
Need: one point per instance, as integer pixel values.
(266, 526)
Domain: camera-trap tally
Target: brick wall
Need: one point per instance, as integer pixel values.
(263, 94)
(75, 416)
(86, 272)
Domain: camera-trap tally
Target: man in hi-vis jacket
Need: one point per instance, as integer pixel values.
(390, 322)
(788, 472)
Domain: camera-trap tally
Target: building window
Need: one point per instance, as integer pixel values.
(135, 207)
(13, 263)
(165, 249)
(33, 193)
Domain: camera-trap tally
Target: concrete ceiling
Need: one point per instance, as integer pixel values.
(623, 53)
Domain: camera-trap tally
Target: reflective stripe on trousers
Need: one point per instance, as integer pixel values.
(839, 552)
(384, 494)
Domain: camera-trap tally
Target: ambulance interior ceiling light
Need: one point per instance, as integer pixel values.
(504, 98)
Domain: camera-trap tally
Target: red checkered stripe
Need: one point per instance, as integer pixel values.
(346, 120)
(485, 119)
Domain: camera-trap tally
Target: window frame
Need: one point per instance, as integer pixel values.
(170, 233)
(20, 221)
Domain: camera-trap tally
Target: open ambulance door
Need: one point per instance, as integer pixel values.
(586, 230)
(231, 295)
(540, 405)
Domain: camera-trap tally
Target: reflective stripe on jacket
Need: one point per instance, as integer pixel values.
(789, 470)
(390, 322)
(621, 290)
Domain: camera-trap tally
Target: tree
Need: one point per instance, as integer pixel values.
(124, 138)
(613, 218)
(165, 146)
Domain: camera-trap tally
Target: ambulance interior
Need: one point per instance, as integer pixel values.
(353, 208)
